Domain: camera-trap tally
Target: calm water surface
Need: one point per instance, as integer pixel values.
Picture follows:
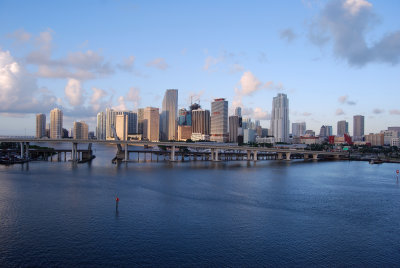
(272, 213)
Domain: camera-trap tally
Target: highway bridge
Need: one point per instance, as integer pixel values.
(214, 148)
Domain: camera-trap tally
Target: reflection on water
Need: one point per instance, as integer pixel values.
(199, 213)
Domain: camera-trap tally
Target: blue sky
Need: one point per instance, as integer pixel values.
(334, 59)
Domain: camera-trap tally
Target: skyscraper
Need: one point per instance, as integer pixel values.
(101, 126)
(298, 129)
(238, 111)
(233, 128)
(81, 130)
(169, 114)
(219, 120)
(40, 125)
(201, 121)
(56, 123)
(358, 127)
(342, 128)
(140, 120)
(325, 131)
(280, 118)
(121, 126)
(132, 123)
(151, 124)
(110, 122)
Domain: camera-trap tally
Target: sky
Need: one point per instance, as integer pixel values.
(334, 59)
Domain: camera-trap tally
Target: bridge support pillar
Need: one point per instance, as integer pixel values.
(216, 157)
(22, 145)
(315, 156)
(172, 154)
(255, 158)
(305, 156)
(74, 152)
(126, 152)
(27, 150)
(248, 155)
(287, 156)
(212, 154)
(337, 157)
(280, 157)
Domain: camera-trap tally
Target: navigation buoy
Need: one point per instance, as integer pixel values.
(116, 202)
(397, 172)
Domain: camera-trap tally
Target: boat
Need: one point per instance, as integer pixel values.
(375, 161)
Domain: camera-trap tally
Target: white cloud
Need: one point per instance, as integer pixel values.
(121, 104)
(211, 61)
(158, 63)
(79, 65)
(255, 113)
(346, 23)
(288, 35)
(74, 92)
(19, 92)
(378, 111)
(339, 112)
(97, 96)
(249, 83)
(20, 36)
(395, 112)
(345, 100)
(127, 64)
(134, 96)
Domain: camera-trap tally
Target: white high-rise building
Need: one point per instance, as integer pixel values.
(101, 126)
(219, 120)
(169, 114)
(81, 130)
(40, 125)
(280, 118)
(56, 124)
(298, 129)
(121, 126)
(110, 122)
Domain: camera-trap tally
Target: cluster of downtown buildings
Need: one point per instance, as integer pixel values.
(198, 124)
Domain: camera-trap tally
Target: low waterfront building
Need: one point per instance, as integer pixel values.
(184, 132)
(375, 139)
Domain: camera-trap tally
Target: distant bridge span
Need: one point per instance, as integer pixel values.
(214, 147)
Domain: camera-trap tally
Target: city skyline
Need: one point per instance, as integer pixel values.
(302, 52)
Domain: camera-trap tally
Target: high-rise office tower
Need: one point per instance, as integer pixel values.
(140, 120)
(325, 131)
(169, 114)
(81, 130)
(56, 123)
(280, 118)
(132, 123)
(233, 128)
(298, 129)
(238, 111)
(40, 125)
(110, 123)
(121, 126)
(184, 117)
(151, 124)
(342, 128)
(358, 127)
(101, 126)
(219, 120)
(201, 121)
